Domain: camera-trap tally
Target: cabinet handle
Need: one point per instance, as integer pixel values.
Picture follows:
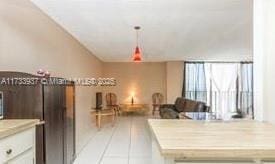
(9, 151)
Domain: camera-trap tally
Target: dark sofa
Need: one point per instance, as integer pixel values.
(172, 111)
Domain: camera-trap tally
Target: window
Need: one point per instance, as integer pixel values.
(226, 87)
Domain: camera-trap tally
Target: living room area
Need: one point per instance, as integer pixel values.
(127, 139)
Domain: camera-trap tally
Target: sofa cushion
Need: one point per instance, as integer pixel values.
(194, 106)
(168, 113)
(190, 105)
(179, 104)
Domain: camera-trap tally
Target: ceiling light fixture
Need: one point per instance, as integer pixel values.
(137, 53)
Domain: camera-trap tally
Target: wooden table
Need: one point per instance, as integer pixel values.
(187, 141)
(104, 112)
(134, 108)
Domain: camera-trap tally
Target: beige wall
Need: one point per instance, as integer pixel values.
(143, 79)
(264, 58)
(29, 40)
(174, 73)
(140, 79)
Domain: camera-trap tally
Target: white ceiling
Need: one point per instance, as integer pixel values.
(171, 29)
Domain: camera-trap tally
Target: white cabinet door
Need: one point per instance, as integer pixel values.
(25, 158)
(16, 144)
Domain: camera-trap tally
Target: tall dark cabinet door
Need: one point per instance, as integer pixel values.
(54, 106)
(69, 124)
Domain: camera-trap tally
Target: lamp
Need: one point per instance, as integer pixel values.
(132, 101)
(132, 97)
(137, 53)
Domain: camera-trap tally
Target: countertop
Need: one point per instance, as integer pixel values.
(12, 126)
(189, 139)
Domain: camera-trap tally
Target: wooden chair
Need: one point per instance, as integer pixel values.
(111, 102)
(157, 99)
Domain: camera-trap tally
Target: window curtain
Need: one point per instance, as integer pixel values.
(222, 88)
(195, 82)
(245, 104)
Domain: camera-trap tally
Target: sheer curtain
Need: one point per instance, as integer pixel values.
(246, 90)
(195, 82)
(222, 88)
(195, 86)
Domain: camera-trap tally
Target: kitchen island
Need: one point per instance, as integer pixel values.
(17, 141)
(187, 141)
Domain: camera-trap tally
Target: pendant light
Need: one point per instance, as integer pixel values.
(137, 52)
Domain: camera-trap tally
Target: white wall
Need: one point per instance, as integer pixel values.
(30, 40)
(174, 80)
(264, 58)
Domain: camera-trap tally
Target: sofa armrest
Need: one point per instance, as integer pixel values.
(168, 113)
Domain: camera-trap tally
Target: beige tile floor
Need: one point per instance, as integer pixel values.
(128, 142)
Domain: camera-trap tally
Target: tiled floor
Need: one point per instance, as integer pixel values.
(128, 142)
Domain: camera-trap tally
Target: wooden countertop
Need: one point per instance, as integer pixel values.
(188, 139)
(12, 126)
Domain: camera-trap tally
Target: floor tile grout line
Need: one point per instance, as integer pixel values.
(88, 141)
(129, 148)
(107, 145)
(127, 127)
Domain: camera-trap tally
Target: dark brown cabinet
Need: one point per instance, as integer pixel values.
(54, 104)
(69, 120)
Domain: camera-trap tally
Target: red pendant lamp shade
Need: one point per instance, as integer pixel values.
(137, 55)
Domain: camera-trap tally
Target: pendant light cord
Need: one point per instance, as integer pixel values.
(137, 37)
(137, 28)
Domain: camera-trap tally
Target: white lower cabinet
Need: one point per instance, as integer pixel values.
(25, 158)
(227, 162)
(18, 148)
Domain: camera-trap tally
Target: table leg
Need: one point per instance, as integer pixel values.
(96, 121)
(113, 119)
(117, 111)
(99, 121)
